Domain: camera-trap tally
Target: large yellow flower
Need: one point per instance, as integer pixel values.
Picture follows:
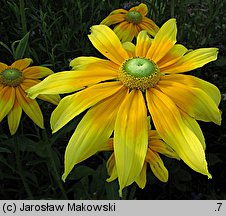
(14, 80)
(155, 146)
(129, 23)
(120, 92)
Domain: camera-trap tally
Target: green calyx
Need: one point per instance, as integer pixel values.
(140, 67)
(11, 77)
(134, 17)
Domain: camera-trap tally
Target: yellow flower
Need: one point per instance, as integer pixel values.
(120, 91)
(155, 146)
(14, 80)
(129, 23)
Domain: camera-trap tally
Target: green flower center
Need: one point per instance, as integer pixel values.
(134, 17)
(139, 73)
(11, 77)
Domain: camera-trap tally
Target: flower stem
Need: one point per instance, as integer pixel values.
(20, 170)
(172, 8)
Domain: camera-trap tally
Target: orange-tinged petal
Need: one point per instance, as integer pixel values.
(195, 82)
(174, 54)
(148, 25)
(21, 64)
(193, 101)
(107, 43)
(69, 81)
(157, 166)
(130, 138)
(30, 107)
(142, 8)
(72, 105)
(125, 31)
(3, 66)
(169, 124)
(113, 19)
(27, 83)
(192, 60)
(143, 44)
(36, 72)
(164, 40)
(112, 171)
(14, 117)
(7, 99)
(93, 131)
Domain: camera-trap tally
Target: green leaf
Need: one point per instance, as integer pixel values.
(4, 150)
(6, 47)
(21, 47)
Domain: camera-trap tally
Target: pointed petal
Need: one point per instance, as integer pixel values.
(142, 8)
(193, 101)
(112, 171)
(192, 60)
(148, 25)
(193, 125)
(113, 19)
(14, 117)
(130, 48)
(69, 81)
(7, 99)
(141, 179)
(174, 54)
(30, 107)
(36, 72)
(143, 44)
(163, 41)
(93, 63)
(107, 43)
(157, 166)
(125, 31)
(21, 64)
(130, 138)
(174, 132)
(93, 131)
(195, 82)
(72, 105)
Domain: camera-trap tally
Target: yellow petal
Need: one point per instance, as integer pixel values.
(113, 19)
(93, 131)
(143, 44)
(194, 126)
(192, 60)
(107, 43)
(30, 107)
(163, 41)
(14, 117)
(141, 179)
(174, 54)
(54, 99)
(130, 138)
(161, 147)
(125, 31)
(69, 81)
(193, 101)
(93, 63)
(169, 124)
(21, 64)
(36, 72)
(195, 82)
(112, 171)
(157, 166)
(72, 105)
(130, 48)
(119, 11)
(142, 8)
(7, 98)
(3, 66)
(148, 25)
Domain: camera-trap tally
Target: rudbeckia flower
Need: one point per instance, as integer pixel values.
(129, 23)
(14, 80)
(121, 91)
(153, 159)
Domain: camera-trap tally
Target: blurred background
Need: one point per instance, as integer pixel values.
(32, 164)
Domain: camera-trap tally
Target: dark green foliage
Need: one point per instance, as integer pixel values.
(31, 162)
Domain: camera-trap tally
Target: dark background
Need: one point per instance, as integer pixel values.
(31, 162)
